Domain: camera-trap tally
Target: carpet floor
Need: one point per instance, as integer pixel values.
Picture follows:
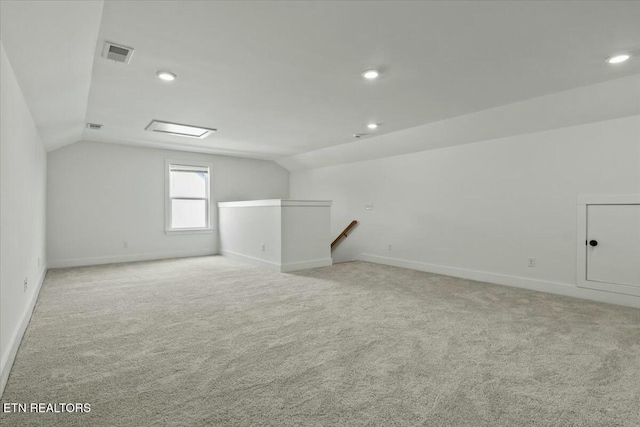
(210, 341)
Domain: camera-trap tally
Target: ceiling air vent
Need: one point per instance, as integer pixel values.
(117, 52)
(179, 129)
(93, 126)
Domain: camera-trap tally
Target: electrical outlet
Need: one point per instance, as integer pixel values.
(532, 262)
(26, 284)
(263, 247)
(390, 247)
(125, 244)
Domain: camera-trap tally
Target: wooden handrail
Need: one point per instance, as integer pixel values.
(344, 233)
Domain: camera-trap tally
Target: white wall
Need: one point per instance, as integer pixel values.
(306, 236)
(100, 195)
(243, 231)
(282, 235)
(22, 215)
(481, 210)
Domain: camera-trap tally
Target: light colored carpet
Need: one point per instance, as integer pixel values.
(209, 341)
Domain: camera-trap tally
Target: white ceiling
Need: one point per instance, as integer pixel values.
(279, 79)
(614, 99)
(50, 45)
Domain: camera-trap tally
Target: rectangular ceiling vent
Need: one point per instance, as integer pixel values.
(179, 129)
(94, 126)
(117, 52)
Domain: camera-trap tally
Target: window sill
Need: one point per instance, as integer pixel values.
(189, 231)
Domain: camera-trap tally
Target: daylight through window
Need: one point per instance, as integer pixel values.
(188, 197)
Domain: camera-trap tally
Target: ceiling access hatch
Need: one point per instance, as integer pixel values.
(179, 129)
(117, 52)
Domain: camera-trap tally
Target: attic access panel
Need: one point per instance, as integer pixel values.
(179, 129)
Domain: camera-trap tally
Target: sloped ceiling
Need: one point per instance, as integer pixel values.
(50, 45)
(603, 101)
(281, 80)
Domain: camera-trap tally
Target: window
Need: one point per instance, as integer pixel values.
(188, 197)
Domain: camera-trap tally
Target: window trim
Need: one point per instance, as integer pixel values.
(167, 197)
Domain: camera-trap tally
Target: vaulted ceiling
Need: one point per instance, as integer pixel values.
(280, 79)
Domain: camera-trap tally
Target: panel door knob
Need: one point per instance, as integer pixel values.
(593, 242)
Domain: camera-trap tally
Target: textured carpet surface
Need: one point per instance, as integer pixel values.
(209, 341)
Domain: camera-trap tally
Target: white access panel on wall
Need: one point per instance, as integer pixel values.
(609, 244)
(613, 249)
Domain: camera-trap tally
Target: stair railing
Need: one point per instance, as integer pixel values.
(344, 233)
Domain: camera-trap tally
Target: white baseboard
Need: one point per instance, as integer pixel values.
(503, 279)
(251, 260)
(78, 262)
(275, 266)
(14, 343)
(305, 265)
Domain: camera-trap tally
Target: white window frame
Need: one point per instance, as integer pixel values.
(167, 197)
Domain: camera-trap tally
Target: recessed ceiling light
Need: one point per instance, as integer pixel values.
(166, 76)
(371, 74)
(617, 59)
(372, 125)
